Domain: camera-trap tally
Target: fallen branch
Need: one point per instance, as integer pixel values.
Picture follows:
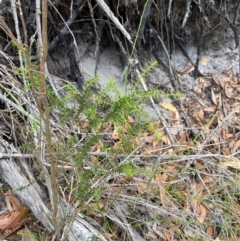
(31, 194)
(66, 29)
(110, 14)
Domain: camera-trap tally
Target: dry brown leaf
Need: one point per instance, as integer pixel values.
(231, 143)
(143, 134)
(207, 179)
(85, 126)
(216, 80)
(204, 61)
(177, 118)
(237, 127)
(152, 140)
(234, 85)
(236, 147)
(108, 235)
(116, 146)
(187, 71)
(231, 162)
(235, 96)
(115, 135)
(200, 116)
(227, 136)
(222, 83)
(155, 143)
(94, 160)
(96, 148)
(167, 235)
(147, 139)
(183, 138)
(196, 207)
(203, 213)
(4, 219)
(235, 79)
(172, 170)
(159, 181)
(200, 85)
(225, 152)
(214, 99)
(199, 165)
(130, 119)
(15, 221)
(228, 91)
(210, 109)
(226, 79)
(219, 100)
(210, 231)
(141, 187)
(236, 107)
(12, 202)
(166, 140)
(168, 106)
(124, 179)
(151, 236)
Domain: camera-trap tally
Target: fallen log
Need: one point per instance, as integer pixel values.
(16, 172)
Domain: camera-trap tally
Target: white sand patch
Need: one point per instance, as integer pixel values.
(110, 67)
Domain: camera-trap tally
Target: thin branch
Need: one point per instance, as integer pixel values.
(165, 67)
(186, 13)
(146, 13)
(169, 9)
(17, 107)
(234, 29)
(110, 14)
(15, 17)
(236, 14)
(16, 155)
(165, 50)
(199, 41)
(67, 24)
(96, 52)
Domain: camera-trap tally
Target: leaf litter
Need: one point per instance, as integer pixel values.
(152, 189)
(184, 192)
(15, 218)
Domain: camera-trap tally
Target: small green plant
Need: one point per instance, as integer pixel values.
(130, 170)
(28, 235)
(93, 113)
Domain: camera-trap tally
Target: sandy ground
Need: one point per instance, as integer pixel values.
(109, 67)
